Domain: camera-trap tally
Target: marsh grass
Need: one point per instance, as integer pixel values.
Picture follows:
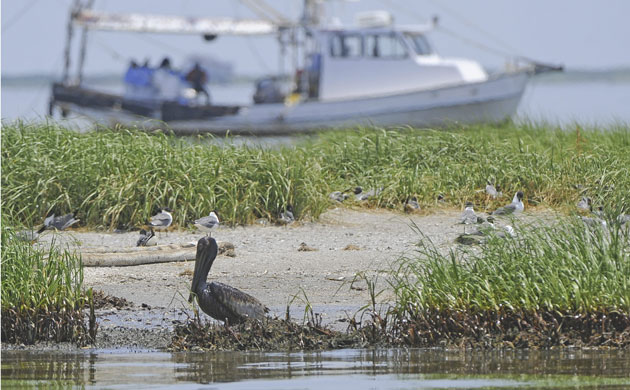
(42, 295)
(564, 284)
(119, 178)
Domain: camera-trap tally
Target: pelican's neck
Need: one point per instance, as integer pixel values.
(206, 253)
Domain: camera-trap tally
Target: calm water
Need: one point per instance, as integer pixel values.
(345, 369)
(597, 102)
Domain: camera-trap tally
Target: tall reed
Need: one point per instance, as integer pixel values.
(42, 292)
(120, 177)
(566, 267)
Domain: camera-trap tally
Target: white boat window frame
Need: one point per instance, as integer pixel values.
(388, 34)
(412, 37)
(341, 38)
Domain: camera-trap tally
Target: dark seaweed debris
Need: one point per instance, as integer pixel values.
(104, 301)
(29, 326)
(512, 329)
(430, 328)
(267, 335)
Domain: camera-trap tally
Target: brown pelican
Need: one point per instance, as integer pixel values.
(219, 300)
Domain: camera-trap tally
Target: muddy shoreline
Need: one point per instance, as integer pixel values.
(270, 263)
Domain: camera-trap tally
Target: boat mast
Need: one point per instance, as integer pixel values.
(76, 7)
(84, 35)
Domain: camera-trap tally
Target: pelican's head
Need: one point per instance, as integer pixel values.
(206, 253)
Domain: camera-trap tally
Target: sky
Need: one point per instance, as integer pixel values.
(581, 34)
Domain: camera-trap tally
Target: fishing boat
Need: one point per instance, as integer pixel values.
(374, 73)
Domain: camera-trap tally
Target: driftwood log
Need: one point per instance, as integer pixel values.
(120, 257)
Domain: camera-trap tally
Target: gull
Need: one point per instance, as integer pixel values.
(359, 195)
(61, 222)
(30, 235)
(286, 216)
(468, 217)
(411, 205)
(208, 223)
(162, 220)
(490, 190)
(515, 207)
(338, 196)
(145, 238)
(585, 203)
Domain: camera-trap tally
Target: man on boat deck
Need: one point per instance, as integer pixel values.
(198, 78)
(167, 82)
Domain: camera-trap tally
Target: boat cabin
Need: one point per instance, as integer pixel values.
(362, 62)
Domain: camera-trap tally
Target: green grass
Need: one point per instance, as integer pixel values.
(42, 292)
(120, 177)
(563, 268)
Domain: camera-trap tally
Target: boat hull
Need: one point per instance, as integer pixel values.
(489, 101)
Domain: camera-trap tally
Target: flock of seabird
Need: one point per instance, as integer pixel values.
(231, 305)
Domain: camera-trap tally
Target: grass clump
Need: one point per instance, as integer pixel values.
(119, 178)
(551, 285)
(42, 296)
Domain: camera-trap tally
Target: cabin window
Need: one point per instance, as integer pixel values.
(346, 45)
(420, 44)
(386, 45)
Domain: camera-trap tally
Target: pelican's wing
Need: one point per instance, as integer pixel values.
(238, 302)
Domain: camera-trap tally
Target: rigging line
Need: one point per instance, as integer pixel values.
(42, 88)
(474, 43)
(112, 52)
(264, 5)
(255, 8)
(254, 51)
(474, 26)
(17, 16)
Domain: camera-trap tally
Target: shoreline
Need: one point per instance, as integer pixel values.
(349, 245)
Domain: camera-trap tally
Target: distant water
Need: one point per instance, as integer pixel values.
(557, 99)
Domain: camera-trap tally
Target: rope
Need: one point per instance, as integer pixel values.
(510, 52)
(472, 25)
(17, 16)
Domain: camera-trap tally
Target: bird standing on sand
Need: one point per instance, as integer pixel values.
(208, 223)
(468, 217)
(286, 217)
(218, 300)
(412, 205)
(516, 206)
(145, 237)
(162, 220)
(30, 235)
(61, 222)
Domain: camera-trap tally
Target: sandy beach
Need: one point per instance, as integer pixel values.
(267, 264)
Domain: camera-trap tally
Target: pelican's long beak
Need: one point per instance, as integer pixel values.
(206, 253)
